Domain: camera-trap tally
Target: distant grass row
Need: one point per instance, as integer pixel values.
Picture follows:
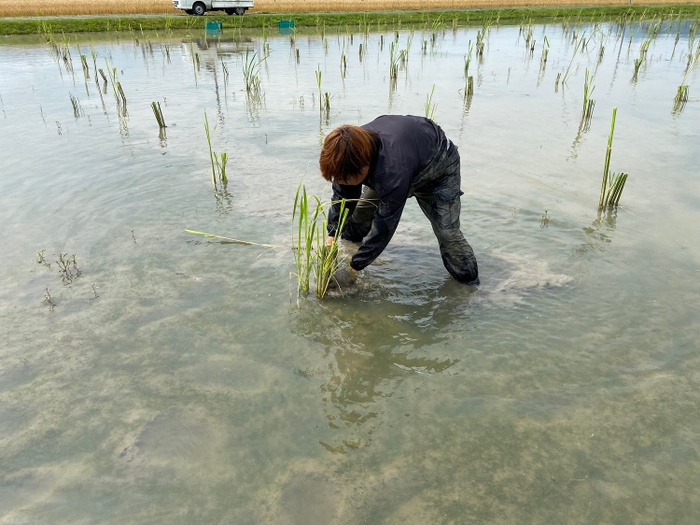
(375, 19)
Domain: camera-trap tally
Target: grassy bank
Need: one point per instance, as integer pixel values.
(10, 26)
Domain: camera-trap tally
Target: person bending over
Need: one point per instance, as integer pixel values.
(395, 157)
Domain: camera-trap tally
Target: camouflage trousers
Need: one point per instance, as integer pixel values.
(437, 190)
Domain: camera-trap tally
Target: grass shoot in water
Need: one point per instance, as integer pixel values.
(613, 183)
(588, 102)
(158, 112)
(218, 161)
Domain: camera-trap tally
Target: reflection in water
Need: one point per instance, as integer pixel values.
(370, 355)
(224, 201)
(597, 233)
(359, 380)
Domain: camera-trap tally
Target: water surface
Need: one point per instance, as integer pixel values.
(180, 381)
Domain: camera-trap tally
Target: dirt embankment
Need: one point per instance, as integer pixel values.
(103, 7)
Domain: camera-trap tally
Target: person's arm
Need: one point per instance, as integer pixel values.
(386, 220)
(351, 194)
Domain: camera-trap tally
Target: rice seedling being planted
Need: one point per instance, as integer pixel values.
(613, 183)
(313, 256)
(218, 161)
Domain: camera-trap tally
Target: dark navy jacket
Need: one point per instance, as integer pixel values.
(408, 144)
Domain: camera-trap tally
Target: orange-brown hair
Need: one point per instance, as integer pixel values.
(346, 150)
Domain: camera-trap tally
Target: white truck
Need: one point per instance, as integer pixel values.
(199, 7)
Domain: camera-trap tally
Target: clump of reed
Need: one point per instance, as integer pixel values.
(613, 183)
(158, 113)
(313, 255)
(219, 179)
(588, 102)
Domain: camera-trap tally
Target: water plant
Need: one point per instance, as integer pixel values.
(637, 65)
(218, 161)
(119, 95)
(225, 69)
(566, 75)
(588, 102)
(48, 299)
(230, 239)
(77, 109)
(468, 59)
(480, 45)
(398, 59)
(68, 267)
(394, 61)
(680, 99)
(613, 184)
(158, 112)
(343, 65)
(41, 258)
(545, 53)
(430, 107)
(251, 73)
(83, 61)
(324, 99)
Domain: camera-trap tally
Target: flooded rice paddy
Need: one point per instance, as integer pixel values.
(165, 379)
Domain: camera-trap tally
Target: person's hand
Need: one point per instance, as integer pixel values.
(343, 277)
(329, 240)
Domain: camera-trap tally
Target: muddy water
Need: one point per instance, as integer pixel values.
(179, 381)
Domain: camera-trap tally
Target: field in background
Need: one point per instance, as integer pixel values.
(103, 7)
